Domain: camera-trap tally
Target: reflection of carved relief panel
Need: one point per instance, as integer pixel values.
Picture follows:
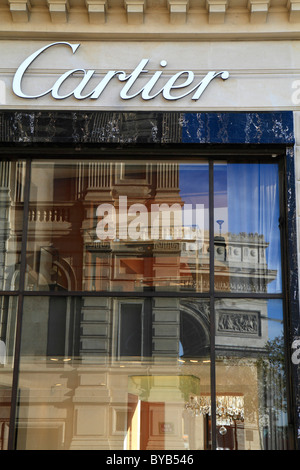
(237, 322)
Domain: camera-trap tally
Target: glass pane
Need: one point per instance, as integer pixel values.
(118, 226)
(8, 314)
(250, 375)
(247, 235)
(130, 341)
(81, 385)
(12, 180)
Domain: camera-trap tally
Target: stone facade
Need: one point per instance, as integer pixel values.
(256, 42)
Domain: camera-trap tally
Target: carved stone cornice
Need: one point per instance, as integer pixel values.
(135, 10)
(216, 10)
(178, 19)
(58, 10)
(96, 10)
(259, 10)
(294, 10)
(178, 10)
(20, 10)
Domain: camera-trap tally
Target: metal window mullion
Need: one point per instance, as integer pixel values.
(212, 306)
(14, 397)
(286, 296)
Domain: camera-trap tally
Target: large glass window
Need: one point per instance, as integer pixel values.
(118, 226)
(152, 305)
(121, 374)
(12, 184)
(8, 317)
(247, 241)
(250, 375)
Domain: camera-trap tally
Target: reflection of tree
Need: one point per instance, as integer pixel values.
(262, 381)
(275, 353)
(272, 394)
(272, 367)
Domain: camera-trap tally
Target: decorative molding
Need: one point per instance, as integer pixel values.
(20, 10)
(216, 11)
(211, 19)
(58, 10)
(135, 10)
(96, 11)
(178, 10)
(294, 10)
(259, 10)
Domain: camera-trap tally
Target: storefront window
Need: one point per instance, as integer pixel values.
(118, 226)
(8, 316)
(247, 241)
(152, 303)
(12, 183)
(86, 375)
(250, 375)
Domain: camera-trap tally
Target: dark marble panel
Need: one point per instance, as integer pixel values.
(292, 238)
(294, 330)
(146, 127)
(90, 127)
(238, 128)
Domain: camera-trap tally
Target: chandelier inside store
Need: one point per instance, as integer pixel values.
(229, 408)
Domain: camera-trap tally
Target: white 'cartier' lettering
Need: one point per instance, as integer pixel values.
(27, 62)
(180, 80)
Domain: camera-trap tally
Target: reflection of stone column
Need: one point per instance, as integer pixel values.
(91, 410)
(94, 187)
(95, 329)
(166, 263)
(4, 217)
(166, 252)
(166, 331)
(92, 396)
(167, 187)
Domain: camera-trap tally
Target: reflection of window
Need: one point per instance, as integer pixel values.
(2, 352)
(57, 327)
(134, 171)
(130, 338)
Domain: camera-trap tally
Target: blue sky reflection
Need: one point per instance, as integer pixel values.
(246, 197)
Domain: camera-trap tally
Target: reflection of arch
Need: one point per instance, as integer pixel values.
(66, 271)
(12, 278)
(68, 274)
(194, 328)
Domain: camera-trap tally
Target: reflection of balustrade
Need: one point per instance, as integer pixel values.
(60, 214)
(167, 175)
(5, 168)
(99, 175)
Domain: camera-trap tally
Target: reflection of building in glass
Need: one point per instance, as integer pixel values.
(126, 372)
(65, 251)
(241, 264)
(12, 176)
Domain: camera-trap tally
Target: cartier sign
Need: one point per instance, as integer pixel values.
(174, 87)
